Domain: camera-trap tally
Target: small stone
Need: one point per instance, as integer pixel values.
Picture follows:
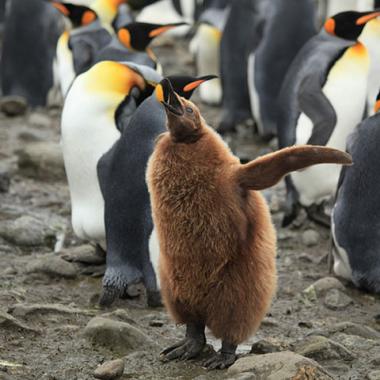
(321, 348)
(42, 160)
(270, 321)
(244, 376)
(265, 347)
(9, 271)
(374, 375)
(13, 105)
(337, 300)
(156, 323)
(376, 361)
(110, 370)
(39, 119)
(27, 231)
(305, 324)
(281, 365)
(310, 238)
(86, 254)
(118, 336)
(53, 266)
(349, 328)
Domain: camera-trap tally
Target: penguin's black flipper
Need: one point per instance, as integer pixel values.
(317, 107)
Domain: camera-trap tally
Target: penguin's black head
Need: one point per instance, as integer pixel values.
(349, 25)
(138, 35)
(183, 85)
(79, 15)
(185, 123)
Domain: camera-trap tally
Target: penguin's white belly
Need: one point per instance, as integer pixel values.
(85, 138)
(253, 94)
(163, 12)
(347, 93)
(207, 56)
(337, 6)
(154, 254)
(65, 65)
(342, 266)
(370, 37)
(365, 5)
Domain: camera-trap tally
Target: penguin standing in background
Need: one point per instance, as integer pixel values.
(206, 47)
(242, 34)
(90, 121)
(268, 64)
(131, 43)
(107, 11)
(31, 31)
(371, 40)
(356, 215)
(321, 101)
(131, 247)
(70, 63)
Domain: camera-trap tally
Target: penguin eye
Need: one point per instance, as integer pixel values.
(189, 110)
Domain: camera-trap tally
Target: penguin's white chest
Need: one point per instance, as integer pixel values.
(87, 133)
(346, 88)
(65, 65)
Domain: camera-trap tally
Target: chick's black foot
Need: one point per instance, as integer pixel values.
(188, 348)
(222, 359)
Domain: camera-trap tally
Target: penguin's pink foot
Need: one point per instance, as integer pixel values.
(188, 348)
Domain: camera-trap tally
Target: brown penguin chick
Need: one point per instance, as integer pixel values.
(217, 241)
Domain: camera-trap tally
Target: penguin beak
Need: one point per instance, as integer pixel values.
(366, 18)
(172, 103)
(164, 28)
(193, 85)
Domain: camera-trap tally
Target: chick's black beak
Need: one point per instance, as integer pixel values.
(171, 101)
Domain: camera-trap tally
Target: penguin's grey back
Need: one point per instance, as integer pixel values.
(314, 59)
(356, 214)
(288, 26)
(31, 32)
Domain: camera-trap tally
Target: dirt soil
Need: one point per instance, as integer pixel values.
(50, 344)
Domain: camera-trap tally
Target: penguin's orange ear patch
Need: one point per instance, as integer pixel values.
(88, 17)
(377, 106)
(330, 26)
(61, 8)
(364, 19)
(125, 37)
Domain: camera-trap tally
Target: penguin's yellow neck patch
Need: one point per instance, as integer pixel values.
(106, 9)
(113, 78)
(358, 51)
(159, 93)
(210, 33)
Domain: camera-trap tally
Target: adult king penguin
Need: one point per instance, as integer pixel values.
(242, 33)
(269, 63)
(131, 247)
(131, 43)
(321, 101)
(32, 29)
(74, 53)
(90, 121)
(356, 214)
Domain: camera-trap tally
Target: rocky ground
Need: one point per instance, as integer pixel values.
(52, 328)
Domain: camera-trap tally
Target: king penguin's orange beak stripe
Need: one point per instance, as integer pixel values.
(191, 86)
(330, 26)
(366, 18)
(61, 8)
(377, 106)
(160, 30)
